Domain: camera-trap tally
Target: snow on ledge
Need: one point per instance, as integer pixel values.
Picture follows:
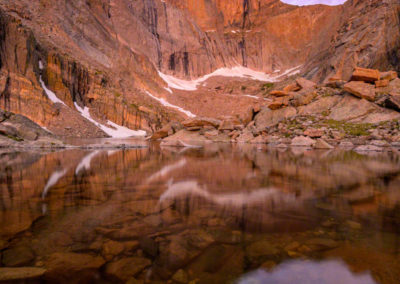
(167, 104)
(238, 71)
(115, 131)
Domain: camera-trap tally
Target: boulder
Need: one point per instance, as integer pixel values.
(279, 102)
(322, 144)
(366, 75)
(368, 148)
(351, 108)
(314, 133)
(267, 118)
(304, 97)
(278, 93)
(390, 75)
(361, 90)
(227, 124)
(20, 273)
(259, 140)
(125, 268)
(18, 256)
(184, 137)
(245, 137)
(67, 262)
(390, 101)
(305, 84)
(294, 87)
(201, 121)
(382, 83)
(302, 141)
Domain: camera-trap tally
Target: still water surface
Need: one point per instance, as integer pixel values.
(221, 214)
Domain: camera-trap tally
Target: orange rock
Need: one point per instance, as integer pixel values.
(366, 75)
(279, 102)
(390, 75)
(278, 93)
(361, 90)
(294, 87)
(314, 133)
(382, 83)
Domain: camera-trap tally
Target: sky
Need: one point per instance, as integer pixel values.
(313, 2)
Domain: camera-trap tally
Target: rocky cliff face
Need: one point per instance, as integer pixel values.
(105, 54)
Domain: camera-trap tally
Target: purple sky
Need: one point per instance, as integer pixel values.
(312, 2)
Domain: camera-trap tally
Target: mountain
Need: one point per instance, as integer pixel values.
(72, 65)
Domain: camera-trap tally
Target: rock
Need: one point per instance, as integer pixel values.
(302, 141)
(277, 93)
(111, 249)
(278, 103)
(125, 268)
(353, 225)
(201, 121)
(322, 144)
(185, 138)
(180, 276)
(390, 101)
(135, 281)
(351, 108)
(390, 75)
(322, 244)
(302, 98)
(366, 75)
(259, 140)
(261, 250)
(314, 133)
(267, 118)
(227, 124)
(368, 148)
(211, 133)
(305, 84)
(382, 83)
(20, 273)
(18, 256)
(245, 137)
(346, 144)
(379, 143)
(65, 263)
(294, 87)
(361, 90)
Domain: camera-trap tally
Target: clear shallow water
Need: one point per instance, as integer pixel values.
(216, 215)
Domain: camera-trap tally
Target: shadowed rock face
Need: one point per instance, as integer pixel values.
(103, 53)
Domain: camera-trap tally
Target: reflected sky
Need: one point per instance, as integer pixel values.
(307, 272)
(314, 2)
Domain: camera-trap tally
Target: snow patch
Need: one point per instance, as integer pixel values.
(167, 104)
(115, 131)
(52, 97)
(238, 71)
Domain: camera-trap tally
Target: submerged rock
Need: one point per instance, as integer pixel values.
(125, 268)
(20, 273)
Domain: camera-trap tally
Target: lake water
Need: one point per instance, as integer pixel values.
(220, 214)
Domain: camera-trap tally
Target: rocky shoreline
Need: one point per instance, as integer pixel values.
(361, 114)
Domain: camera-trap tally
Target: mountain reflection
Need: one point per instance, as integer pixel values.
(209, 215)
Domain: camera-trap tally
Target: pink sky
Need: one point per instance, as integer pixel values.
(313, 2)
